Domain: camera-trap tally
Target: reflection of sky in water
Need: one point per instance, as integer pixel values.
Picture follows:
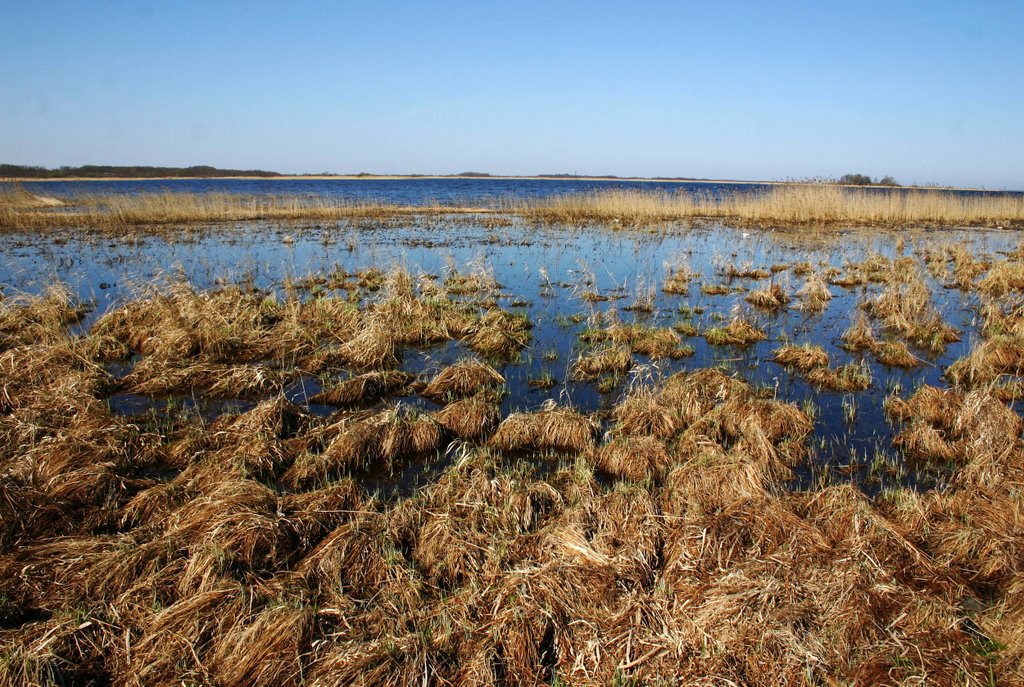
(110, 269)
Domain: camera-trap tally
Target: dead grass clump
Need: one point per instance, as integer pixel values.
(38, 319)
(739, 332)
(654, 342)
(658, 343)
(353, 444)
(500, 334)
(464, 378)
(364, 389)
(929, 403)
(471, 419)
(464, 283)
(635, 458)
(894, 354)
(859, 336)
(311, 515)
(1005, 276)
(710, 480)
(178, 323)
(644, 413)
(999, 355)
(266, 650)
(804, 357)
(772, 299)
(372, 348)
(747, 271)
(593, 363)
(561, 429)
(678, 281)
(814, 295)
(153, 377)
(905, 307)
(715, 289)
(851, 377)
(922, 441)
(693, 395)
(966, 267)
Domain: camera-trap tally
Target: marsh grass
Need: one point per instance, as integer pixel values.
(787, 204)
(121, 211)
(781, 205)
(659, 540)
(804, 357)
(739, 332)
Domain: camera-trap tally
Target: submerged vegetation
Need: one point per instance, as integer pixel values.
(373, 475)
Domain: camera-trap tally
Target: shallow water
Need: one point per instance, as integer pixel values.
(423, 191)
(417, 191)
(542, 272)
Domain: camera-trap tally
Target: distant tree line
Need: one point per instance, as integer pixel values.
(133, 172)
(865, 180)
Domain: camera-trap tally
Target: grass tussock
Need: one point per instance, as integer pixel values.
(739, 332)
(772, 299)
(653, 342)
(464, 378)
(905, 307)
(364, 389)
(560, 429)
(804, 357)
(603, 359)
(851, 377)
(814, 295)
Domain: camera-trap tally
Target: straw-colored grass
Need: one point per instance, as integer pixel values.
(562, 429)
(658, 540)
(464, 378)
(804, 357)
(851, 377)
(739, 332)
(771, 299)
(788, 204)
(364, 388)
(121, 211)
(783, 204)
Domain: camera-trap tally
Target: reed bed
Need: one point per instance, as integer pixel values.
(787, 205)
(791, 204)
(122, 211)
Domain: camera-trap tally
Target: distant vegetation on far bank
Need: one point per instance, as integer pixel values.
(865, 180)
(132, 172)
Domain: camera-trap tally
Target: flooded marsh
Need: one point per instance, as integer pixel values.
(482, 449)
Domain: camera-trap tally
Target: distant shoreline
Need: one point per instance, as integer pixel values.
(413, 177)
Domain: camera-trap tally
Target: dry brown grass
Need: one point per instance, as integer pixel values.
(123, 211)
(804, 357)
(739, 332)
(851, 377)
(771, 299)
(464, 378)
(364, 388)
(672, 549)
(562, 429)
(788, 204)
(604, 359)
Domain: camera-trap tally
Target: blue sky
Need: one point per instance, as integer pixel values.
(929, 92)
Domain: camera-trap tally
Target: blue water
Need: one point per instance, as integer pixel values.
(424, 191)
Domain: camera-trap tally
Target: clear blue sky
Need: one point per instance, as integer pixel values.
(925, 91)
